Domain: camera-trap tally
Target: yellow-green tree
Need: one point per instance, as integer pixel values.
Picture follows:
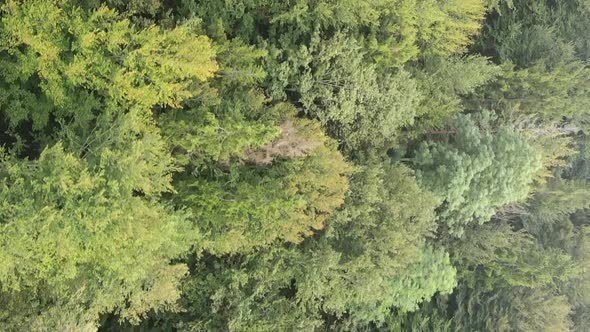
(84, 230)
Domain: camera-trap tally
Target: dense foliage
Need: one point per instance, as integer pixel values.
(305, 165)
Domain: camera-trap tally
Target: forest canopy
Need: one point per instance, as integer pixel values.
(305, 165)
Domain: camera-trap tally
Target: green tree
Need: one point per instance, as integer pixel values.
(230, 117)
(394, 32)
(443, 83)
(544, 52)
(356, 104)
(514, 309)
(555, 96)
(371, 257)
(381, 239)
(73, 234)
(64, 69)
(511, 258)
(299, 187)
(578, 288)
(85, 207)
(544, 31)
(476, 170)
(508, 282)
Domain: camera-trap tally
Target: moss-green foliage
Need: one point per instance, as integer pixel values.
(511, 287)
(72, 235)
(394, 31)
(517, 309)
(230, 116)
(384, 225)
(339, 274)
(512, 258)
(556, 95)
(544, 51)
(476, 171)
(546, 31)
(88, 78)
(305, 165)
(356, 104)
(78, 219)
(443, 83)
(342, 59)
(298, 195)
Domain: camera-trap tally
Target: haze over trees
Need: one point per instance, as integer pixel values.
(306, 165)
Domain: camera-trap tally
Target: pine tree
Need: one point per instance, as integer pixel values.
(476, 171)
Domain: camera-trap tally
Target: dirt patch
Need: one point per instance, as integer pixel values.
(291, 144)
